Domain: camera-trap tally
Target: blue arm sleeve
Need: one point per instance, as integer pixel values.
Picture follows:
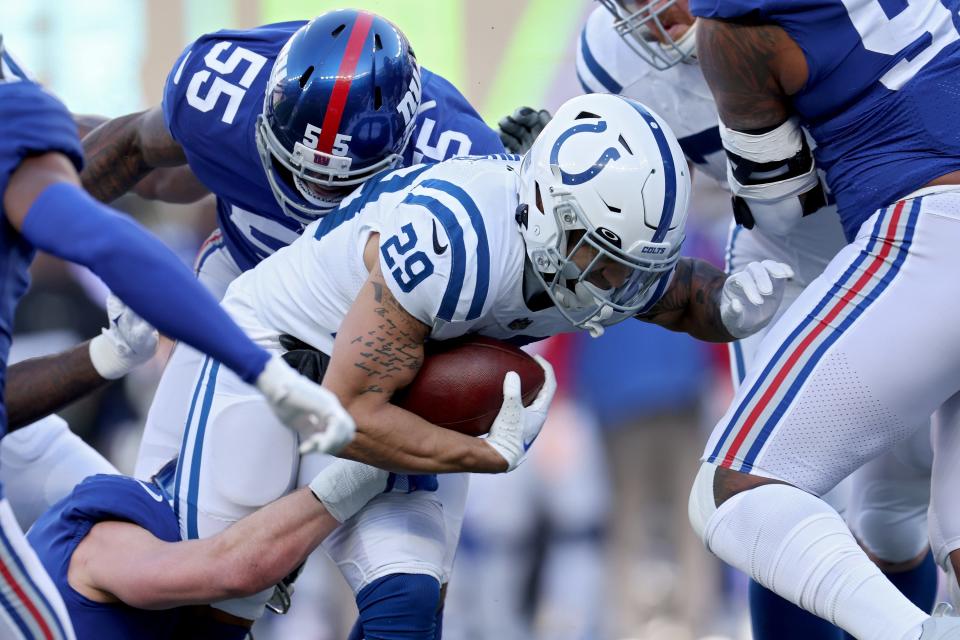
(66, 222)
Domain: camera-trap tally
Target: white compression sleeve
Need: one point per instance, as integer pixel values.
(796, 545)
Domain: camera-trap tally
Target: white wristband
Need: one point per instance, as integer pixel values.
(108, 363)
(345, 486)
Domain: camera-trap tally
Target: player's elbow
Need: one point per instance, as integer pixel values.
(240, 582)
(238, 574)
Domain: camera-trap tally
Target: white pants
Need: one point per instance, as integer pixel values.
(244, 458)
(237, 457)
(41, 463)
(163, 432)
(30, 605)
(862, 358)
(885, 502)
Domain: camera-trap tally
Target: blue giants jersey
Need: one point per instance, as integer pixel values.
(31, 122)
(883, 96)
(100, 498)
(211, 102)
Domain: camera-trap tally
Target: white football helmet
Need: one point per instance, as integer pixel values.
(638, 23)
(603, 206)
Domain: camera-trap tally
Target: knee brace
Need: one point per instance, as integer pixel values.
(402, 606)
(702, 504)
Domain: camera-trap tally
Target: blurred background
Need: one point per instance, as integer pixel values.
(587, 540)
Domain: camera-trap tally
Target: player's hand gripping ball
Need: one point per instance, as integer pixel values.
(460, 385)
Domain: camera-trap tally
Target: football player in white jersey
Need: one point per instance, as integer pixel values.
(653, 60)
(582, 233)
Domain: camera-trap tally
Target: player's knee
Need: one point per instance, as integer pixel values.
(894, 543)
(891, 521)
(400, 607)
(713, 486)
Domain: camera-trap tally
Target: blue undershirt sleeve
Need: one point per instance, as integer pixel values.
(67, 222)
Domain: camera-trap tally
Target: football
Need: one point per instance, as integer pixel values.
(460, 385)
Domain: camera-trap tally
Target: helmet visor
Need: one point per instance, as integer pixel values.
(612, 277)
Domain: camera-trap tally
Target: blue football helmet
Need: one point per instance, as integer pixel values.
(340, 107)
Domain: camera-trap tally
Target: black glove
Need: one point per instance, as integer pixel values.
(307, 360)
(518, 131)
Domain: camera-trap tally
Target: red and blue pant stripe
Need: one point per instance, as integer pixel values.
(763, 406)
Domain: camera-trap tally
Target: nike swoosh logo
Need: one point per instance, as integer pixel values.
(116, 320)
(437, 247)
(527, 445)
(155, 496)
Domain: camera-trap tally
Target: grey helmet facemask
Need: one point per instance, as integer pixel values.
(639, 26)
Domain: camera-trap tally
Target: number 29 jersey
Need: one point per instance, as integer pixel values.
(883, 95)
(211, 102)
(449, 247)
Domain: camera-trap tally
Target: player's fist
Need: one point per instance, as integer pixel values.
(516, 427)
(127, 343)
(518, 131)
(751, 297)
(306, 407)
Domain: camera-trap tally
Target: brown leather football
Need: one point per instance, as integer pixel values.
(460, 385)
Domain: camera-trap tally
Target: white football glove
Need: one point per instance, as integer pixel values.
(751, 297)
(127, 343)
(306, 407)
(516, 427)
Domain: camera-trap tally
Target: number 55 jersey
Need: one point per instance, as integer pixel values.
(211, 102)
(882, 99)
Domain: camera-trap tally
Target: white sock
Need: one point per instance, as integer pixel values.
(798, 546)
(42, 463)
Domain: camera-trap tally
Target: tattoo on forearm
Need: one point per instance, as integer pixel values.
(113, 163)
(391, 350)
(692, 302)
(735, 59)
(122, 151)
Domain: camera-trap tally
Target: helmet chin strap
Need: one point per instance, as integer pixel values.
(582, 296)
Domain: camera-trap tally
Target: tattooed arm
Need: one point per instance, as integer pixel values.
(379, 349)
(751, 69)
(40, 386)
(177, 185)
(122, 151)
(691, 304)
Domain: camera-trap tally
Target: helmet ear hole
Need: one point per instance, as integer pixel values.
(377, 99)
(539, 200)
(306, 76)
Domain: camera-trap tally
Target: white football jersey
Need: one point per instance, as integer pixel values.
(680, 95)
(450, 251)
